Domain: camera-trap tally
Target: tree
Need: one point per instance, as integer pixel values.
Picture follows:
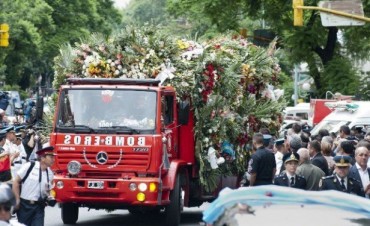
(39, 27)
(312, 43)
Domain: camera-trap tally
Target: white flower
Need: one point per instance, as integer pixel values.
(116, 72)
(184, 84)
(109, 61)
(119, 67)
(210, 131)
(112, 64)
(205, 140)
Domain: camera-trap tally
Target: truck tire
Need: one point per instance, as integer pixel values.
(173, 210)
(69, 213)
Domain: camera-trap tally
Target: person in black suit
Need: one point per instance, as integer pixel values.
(262, 163)
(359, 170)
(290, 178)
(340, 180)
(317, 159)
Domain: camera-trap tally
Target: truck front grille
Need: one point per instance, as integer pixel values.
(116, 163)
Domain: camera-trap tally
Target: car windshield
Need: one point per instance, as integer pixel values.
(107, 109)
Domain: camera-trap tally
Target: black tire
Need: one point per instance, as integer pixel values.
(69, 213)
(173, 210)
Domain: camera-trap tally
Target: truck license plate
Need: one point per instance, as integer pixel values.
(95, 184)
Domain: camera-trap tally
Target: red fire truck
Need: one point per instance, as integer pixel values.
(125, 144)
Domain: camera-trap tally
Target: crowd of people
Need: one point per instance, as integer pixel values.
(322, 162)
(25, 177)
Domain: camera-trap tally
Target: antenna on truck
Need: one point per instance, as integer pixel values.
(112, 81)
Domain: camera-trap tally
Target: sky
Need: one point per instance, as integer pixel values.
(121, 3)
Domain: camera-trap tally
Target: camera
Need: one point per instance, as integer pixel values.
(50, 201)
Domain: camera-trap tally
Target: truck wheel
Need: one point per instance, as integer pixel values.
(69, 213)
(173, 210)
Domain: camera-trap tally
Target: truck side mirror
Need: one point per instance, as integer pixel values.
(183, 112)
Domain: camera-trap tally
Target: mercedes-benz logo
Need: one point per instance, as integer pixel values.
(102, 157)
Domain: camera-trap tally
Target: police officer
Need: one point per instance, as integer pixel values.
(340, 180)
(36, 179)
(263, 165)
(21, 158)
(5, 173)
(290, 178)
(279, 150)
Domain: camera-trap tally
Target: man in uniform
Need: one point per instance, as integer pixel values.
(5, 173)
(21, 158)
(310, 172)
(340, 180)
(12, 149)
(279, 150)
(36, 179)
(290, 178)
(263, 165)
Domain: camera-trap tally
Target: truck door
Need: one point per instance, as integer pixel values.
(169, 124)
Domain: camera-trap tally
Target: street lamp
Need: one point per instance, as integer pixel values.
(306, 86)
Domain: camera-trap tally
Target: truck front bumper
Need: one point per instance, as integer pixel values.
(120, 192)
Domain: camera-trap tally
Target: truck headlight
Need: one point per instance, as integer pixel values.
(142, 187)
(74, 167)
(60, 184)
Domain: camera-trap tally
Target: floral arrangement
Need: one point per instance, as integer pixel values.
(230, 83)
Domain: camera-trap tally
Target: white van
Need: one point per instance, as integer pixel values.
(356, 113)
(298, 112)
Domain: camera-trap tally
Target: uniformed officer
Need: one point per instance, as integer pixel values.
(36, 179)
(21, 158)
(5, 173)
(279, 150)
(340, 180)
(290, 178)
(262, 163)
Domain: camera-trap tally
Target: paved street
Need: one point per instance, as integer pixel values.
(190, 217)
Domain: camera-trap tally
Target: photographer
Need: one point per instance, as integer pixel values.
(29, 142)
(36, 180)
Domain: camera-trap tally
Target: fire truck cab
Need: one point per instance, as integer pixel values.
(124, 144)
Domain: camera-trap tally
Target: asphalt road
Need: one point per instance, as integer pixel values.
(190, 217)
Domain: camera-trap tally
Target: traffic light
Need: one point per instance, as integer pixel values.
(4, 35)
(298, 13)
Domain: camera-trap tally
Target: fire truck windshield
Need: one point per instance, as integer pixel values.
(112, 109)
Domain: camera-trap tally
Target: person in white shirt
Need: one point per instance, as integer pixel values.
(360, 171)
(280, 150)
(21, 158)
(36, 179)
(11, 148)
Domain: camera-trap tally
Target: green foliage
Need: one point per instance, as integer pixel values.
(39, 27)
(340, 77)
(312, 43)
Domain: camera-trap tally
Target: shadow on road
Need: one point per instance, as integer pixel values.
(111, 219)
